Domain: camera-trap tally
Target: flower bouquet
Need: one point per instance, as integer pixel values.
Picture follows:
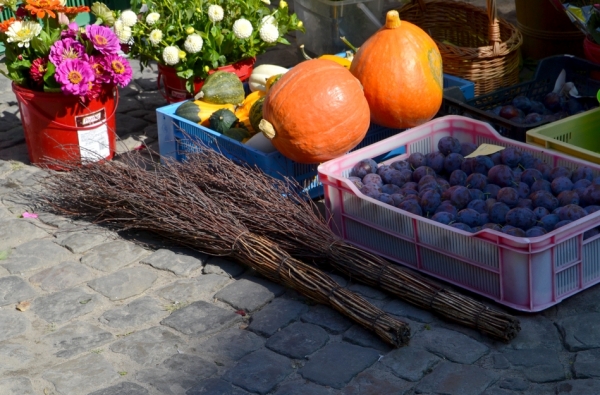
(195, 37)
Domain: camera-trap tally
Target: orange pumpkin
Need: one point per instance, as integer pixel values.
(400, 68)
(316, 112)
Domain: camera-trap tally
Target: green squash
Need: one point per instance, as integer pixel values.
(238, 134)
(222, 120)
(256, 113)
(222, 87)
(189, 110)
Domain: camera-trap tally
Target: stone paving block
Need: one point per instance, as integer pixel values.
(260, 371)
(580, 332)
(77, 337)
(128, 104)
(18, 231)
(136, 313)
(326, 317)
(124, 388)
(530, 358)
(202, 287)
(277, 314)
(513, 383)
(215, 387)
(14, 357)
(537, 332)
(229, 345)
(249, 294)
(64, 305)
(410, 363)
(450, 379)
(302, 388)
(62, 276)
(128, 124)
(16, 386)
(500, 361)
(298, 340)
(451, 345)
(365, 338)
(80, 242)
(177, 374)
(180, 265)
(402, 309)
(88, 371)
(6, 214)
(576, 387)
(35, 254)
(377, 382)
(114, 255)
(12, 323)
(14, 289)
(587, 364)
(337, 363)
(223, 267)
(125, 283)
(201, 319)
(546, 373)
(51, 219)
(151, 100)
(148, 347)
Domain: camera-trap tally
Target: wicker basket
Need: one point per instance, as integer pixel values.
(475, 45)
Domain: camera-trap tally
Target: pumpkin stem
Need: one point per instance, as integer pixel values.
(304, 53)
(349, 44)
(267, 128)
(392, 20)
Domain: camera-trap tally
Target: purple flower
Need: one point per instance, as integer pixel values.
(64, 49)
(119, 69)
(98, 64)
(75, 76)
(103, 39)
(71, 31)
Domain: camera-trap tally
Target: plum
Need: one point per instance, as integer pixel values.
(357, 181)
(523, 190)
(591, 209)
(561, 184)
(545, 169)
(442, 183)
(520, 217)
(532, 118)
(484, 218)
(477, 205)
(467, 148)
(448, 145)
(526, 203)
(430, 201)
(582, 173)
(373, 178)
(501, 175)
(541, 185)
(371, 190)
(468, 216)
(425, 181)
(596, 180)
(397, 198)
(421, 172)
(447, 194)
(399, 177)
(513, 231)
(461, 226)
(540, 212)
(460, 197)
(491, 191)
(447, 207)
(571, 212)
(591, 195)
(552, 101)
(400, 165)
(489, 203)
(497, 213)
(443, 217)
(453, 162)
(537, 107)
(386, 198)
(417, 160)
(508, 196)
(496, 158)
(467, 165)
(382, 169)
(544, 199)
(562, 223)
(363, 168)
(535, 231)
(476, 181)
(390, 189)
(560, 171)
(458, 177)
(435, 160)
(476, 194)
(509, 112)
(527, 160)
(411, 205)
(549, 222)
(529, 176)
(411, 185)
(476, 229)
(581, 184)
(492, 226)
(481, 164)
(568, 197)
(522, 103)
(510, 156)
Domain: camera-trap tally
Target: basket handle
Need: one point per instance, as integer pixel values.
(421, 4)
(494, 27)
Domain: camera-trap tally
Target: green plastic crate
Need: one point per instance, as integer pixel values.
(577, 135)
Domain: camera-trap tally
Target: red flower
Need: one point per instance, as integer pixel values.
(38, 69)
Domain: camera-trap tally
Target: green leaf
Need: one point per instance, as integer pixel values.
(214, 31)
(282, 40)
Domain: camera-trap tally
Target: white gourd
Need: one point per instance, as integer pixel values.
(261, 73)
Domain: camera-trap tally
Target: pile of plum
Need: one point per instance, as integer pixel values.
(552, 108)
(509, 191)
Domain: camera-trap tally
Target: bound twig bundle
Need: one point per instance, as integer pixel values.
(168, 203)
(266, 208)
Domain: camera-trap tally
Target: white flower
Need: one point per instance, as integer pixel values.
(152, 18)
(171, 55)
(268, 20)
(215, 13)
(155, 37)
(129, 18)
(269, 33)
(267, 2)
(124, 34)
(242, 28)
(21, 32)
(193, 43)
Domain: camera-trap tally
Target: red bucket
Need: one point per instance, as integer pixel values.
(592, 53)
(59, 127)
(174, 86)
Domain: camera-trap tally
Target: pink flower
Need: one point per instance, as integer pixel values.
(64, 49)
(119, 69)
(101, 75)
(103, 39)
(71, 32)
(29, 215)
(38, 69)
(93, 92)
(75, 76)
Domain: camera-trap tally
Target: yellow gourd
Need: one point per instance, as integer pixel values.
(335, 58)
(243, 110)
(199, 111)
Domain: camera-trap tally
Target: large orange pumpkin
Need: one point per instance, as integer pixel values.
(316, 112)
(400, 68)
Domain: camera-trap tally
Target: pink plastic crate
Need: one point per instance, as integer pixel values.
(528, 274)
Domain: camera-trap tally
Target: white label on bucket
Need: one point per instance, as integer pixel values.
(93, 143)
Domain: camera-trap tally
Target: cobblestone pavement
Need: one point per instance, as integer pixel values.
(86, 312)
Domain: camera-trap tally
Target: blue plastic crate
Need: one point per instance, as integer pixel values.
(175, 135)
